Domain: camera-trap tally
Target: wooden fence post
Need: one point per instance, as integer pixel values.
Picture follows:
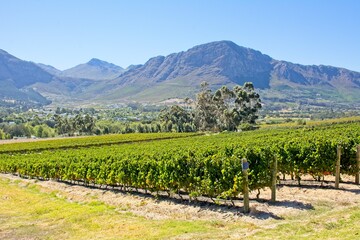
(273, 180)
(337, 170)
(245, 167)
(357, 174)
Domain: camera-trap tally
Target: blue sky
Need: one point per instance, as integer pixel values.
(69, 32)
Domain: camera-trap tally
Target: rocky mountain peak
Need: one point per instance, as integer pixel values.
(100, 63)
(96, 62)
(95, 69)
(216, 61)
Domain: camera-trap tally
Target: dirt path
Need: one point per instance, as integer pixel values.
(291, 200)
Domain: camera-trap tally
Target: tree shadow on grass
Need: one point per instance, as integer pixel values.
(306, 184)
(293, 204)
(228, 208)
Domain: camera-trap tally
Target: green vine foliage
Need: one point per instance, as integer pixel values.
(199, 165)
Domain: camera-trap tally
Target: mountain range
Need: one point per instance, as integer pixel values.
(178, 75)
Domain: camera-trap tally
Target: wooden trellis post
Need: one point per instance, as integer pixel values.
(273, 180)
(337, 170)
(357, 174)
(245, 168)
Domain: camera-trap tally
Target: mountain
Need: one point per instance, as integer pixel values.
(28, 83)
(16, 77)
(21, 73)
(325, 76)
(50, 69)
(95, 69)
(218, 63)
(179, 75)
(321, 85)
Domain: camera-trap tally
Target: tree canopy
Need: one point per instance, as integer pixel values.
(224, 109)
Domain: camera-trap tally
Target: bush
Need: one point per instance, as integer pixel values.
(246, 127)
(301, 122)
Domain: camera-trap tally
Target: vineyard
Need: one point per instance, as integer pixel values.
(197, 165)
(68, 143)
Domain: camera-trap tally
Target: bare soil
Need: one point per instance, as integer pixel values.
(291, 200)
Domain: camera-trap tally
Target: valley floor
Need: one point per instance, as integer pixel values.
(31, 209)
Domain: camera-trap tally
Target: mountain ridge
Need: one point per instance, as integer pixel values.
(179, 75)
(222, 63)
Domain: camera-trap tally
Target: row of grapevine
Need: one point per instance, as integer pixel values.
(88, 141)
(211, 171)
(202, 165)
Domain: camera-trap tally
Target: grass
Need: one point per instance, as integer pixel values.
(320, 224)
(27, 212)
